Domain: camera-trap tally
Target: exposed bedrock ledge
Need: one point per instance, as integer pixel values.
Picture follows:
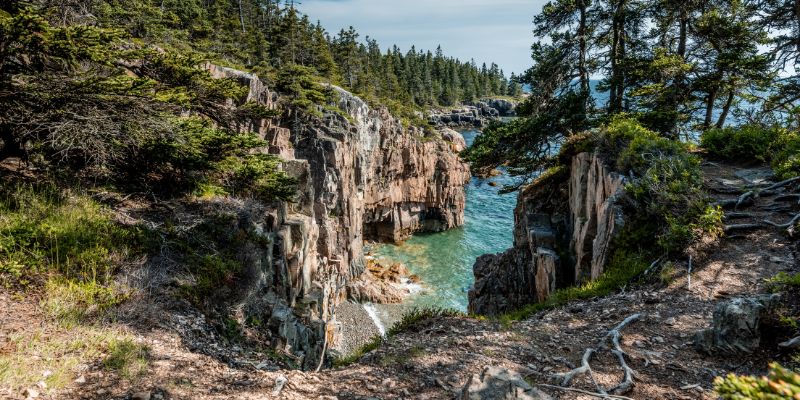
(563, 233)
(363, 175)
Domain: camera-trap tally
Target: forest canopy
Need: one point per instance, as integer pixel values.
(680, 67)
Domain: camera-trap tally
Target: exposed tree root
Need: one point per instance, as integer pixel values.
(727, 203)
(742, 227)
(586, 392)
(747, 197)
(783, 183)
(613, 337)
(787, 197)
(738, 215)
(787, 225)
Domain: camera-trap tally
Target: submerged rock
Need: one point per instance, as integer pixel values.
(736, 327)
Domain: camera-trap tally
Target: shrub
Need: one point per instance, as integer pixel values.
(746, 142)
(772, 144)
(780, 383)
(44, 230)
(665, 192)
(786, 157)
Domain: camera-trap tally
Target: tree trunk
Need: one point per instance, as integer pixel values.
(617, 58)
(710, 100)
(725, 110)
(241, 16)
(582, 32)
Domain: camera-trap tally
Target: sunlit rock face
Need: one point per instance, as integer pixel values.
(362, 175)
(562, 236)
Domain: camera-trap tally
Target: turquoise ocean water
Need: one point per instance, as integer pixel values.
(444, 260)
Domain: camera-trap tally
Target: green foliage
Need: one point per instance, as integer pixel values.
(783, 281)
(208, 160)
(774, 144)
(746, 142)
(127, 358)
(43, 230)
(72, 302)
(666, 190)
(780, 383)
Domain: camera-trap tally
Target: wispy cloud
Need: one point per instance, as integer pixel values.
(487, 30)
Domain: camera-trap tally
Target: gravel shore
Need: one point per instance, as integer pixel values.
(358, 328)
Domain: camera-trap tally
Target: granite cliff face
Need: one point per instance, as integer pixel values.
(563, 233)
(363, 176)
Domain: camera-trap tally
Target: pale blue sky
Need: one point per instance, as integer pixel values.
(486, 30)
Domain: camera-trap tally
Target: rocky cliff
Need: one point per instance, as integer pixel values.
(564, 227)
(478, 114)
(363, 176)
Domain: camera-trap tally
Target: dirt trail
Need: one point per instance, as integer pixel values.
(437, 358)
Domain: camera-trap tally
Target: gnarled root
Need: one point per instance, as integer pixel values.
(613, 337)
(788, 225)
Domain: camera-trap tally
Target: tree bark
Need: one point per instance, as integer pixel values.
(582, 32)
(617, 58)
(710, 100)
(241, 16)
(725, 110)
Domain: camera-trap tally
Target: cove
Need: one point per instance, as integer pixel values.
(444, 260)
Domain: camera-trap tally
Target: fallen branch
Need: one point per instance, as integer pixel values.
(786, 225)
(783, 183)
(588, 393)
(689, 275)
(614, 337)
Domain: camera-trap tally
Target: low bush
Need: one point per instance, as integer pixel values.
(746, 142)
(780, 383)
(44, 230)
(665, 195)
(772, 144)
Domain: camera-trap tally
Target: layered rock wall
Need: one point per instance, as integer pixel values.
(563, 234)
(363, 176)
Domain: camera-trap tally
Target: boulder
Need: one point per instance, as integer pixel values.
(496, 383)
(736, 327)
(457, 140)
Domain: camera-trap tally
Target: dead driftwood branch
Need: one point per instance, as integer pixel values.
(613, 337)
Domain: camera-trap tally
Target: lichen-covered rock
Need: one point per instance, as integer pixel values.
(496, 383)
(736, 327)
(563, 233)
